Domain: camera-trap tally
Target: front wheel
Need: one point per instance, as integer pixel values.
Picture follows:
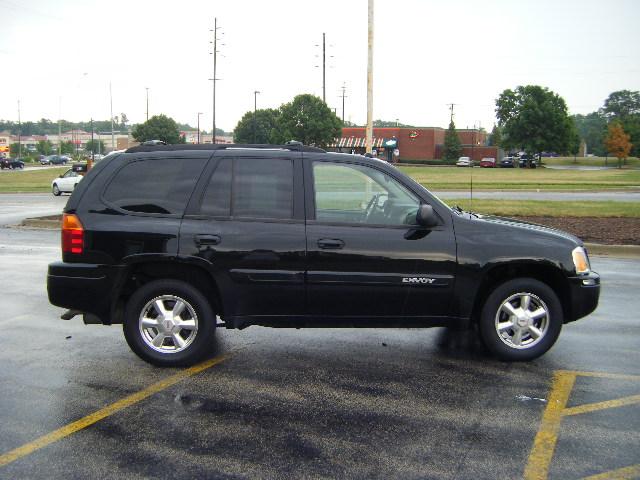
(521, 319)
(55, 190)
(169, 323)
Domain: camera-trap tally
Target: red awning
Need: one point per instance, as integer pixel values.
(355, 142)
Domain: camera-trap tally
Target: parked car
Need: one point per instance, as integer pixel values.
(464, 162)
(66, 182)
(292, 236)
(527, 161)
(55, 160)
(11, 163)
(507, 162)
(488, 162)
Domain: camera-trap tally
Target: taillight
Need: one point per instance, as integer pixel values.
(72, 234)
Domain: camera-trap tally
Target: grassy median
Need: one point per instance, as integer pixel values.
(540, 208)
(32, 181)
(447, 178)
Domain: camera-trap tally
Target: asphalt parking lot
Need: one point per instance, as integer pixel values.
(324, 403)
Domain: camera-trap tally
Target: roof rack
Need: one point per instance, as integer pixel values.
(292, 146)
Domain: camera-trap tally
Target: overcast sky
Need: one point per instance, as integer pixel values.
(59, 56)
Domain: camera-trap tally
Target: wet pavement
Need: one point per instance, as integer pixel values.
(314, 403)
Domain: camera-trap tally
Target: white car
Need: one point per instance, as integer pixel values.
(65, 182)
(464, 162)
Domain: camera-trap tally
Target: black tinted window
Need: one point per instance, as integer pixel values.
(217, 196)
(155, 185)
(263, 188)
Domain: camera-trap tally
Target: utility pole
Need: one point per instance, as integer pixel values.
(343, 97)
(324, 70)
(451, 105)
(147, 88)
(113, 141)
(215, 78)
(19, 134)
(93, 146)
(199, 113)
(369, 137)
(255, 107)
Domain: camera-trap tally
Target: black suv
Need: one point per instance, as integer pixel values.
(165, 239)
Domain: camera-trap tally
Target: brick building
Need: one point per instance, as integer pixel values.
(413, 143)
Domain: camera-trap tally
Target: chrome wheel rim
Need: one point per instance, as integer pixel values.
(522, 321)
(168, 324)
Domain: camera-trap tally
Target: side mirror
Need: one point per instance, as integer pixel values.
(426, 217)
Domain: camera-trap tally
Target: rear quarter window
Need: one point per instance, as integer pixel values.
(155, 185)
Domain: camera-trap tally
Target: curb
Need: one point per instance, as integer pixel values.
(53, 222)
(625, 251)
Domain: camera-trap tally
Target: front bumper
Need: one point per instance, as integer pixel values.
(584, 292)
(85, 287)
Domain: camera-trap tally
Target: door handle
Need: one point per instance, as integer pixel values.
(330, 244)
(207, 240)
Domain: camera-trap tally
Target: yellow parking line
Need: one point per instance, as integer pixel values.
(619, 376)
(94, 417)
(593, 407)
(626, 473)
(545, 442)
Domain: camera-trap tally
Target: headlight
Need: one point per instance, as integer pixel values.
(581, 260)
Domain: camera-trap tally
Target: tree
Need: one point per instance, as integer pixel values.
(624, 106)
(44, 147)
(621, 104)
(309, 120)
(495, 138)
(389, 123)
(452, 145)
(67, 148)
(617, 142)
(14, 149)
(592, 129)
(266, 122)
(158, 127)
(535, 119)
(94, 146)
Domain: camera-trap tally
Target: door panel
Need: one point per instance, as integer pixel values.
(248, 226)
(377, 263)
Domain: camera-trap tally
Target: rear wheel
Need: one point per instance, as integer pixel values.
(521, 319)
(169, 323)
(55, 190)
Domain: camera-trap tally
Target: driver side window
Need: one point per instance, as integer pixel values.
(348, 193)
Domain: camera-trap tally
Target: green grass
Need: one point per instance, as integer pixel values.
(632, 162)
(30, 181)
(445, 178)
(539, 208)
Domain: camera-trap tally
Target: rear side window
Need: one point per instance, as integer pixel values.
(251, 187)
(155, 185)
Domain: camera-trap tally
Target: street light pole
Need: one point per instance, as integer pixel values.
(199, 113)
(19, 134)
(113, 141)
(59, 126)
(255, 108)
(343, 97)
(147, 88)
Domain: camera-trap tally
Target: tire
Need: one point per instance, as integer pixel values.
(516, 329)
(55, 190)
(164, 343)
